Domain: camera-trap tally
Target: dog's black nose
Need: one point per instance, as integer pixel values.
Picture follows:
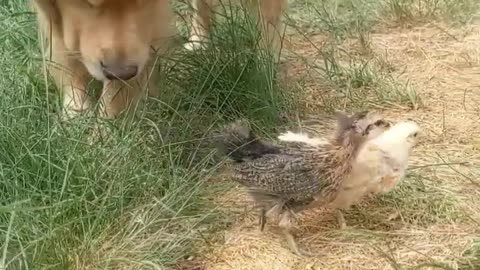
(119, 72)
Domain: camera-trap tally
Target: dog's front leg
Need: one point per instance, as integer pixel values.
(270, 14)
(201, 20)
(117, 96)
(71, 77)
(125, 96)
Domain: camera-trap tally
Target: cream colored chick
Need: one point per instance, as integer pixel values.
(380, 165)
(392, 149)
(353, 190)
(286, 179)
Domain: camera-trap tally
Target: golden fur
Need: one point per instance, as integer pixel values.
(109, 40)
(268, 12)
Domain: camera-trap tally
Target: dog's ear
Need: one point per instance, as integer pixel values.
(49, 10)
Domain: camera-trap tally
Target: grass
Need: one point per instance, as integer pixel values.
(354, 75)
(355, 72)
(141, 197)
(347, 18)
(472, 257)
(415, 193)
(362, 83)
(135, 198)
(406, 11)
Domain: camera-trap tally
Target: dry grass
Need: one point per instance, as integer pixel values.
(435, 68)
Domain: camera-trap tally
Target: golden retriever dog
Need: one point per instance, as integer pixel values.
(109, 40)
(268, 13)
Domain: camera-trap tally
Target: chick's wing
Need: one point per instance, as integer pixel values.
(291, 176)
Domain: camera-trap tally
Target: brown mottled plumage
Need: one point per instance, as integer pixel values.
(287, 178)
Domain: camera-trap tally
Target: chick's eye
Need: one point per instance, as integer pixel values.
(367, 130)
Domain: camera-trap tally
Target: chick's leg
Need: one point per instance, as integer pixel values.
(340, 219)
(272, 210)
(262, 218)
(285, 225)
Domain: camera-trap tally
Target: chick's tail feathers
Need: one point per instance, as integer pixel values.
(239, 143)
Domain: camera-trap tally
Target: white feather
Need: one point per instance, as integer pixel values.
(302, 138)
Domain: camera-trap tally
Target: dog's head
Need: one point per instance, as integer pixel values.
(113, 38)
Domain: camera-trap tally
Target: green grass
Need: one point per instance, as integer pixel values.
(411, 195)
(340, 18)
(362, 82)
(349, 18)
(355, 77)
(358, 78)
(138, 197)
(416, 192)
(135, 198)
(408, 11)
(471, 256)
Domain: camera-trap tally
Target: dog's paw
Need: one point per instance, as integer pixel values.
(101, 132)
(73, 109)
(71, 113)
(194, 45)
(195, 42)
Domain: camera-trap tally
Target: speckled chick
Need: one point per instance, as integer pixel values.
(286, 179)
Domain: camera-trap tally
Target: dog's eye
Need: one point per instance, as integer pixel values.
(415, 134)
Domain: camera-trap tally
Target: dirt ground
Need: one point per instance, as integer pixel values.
(439, 221)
